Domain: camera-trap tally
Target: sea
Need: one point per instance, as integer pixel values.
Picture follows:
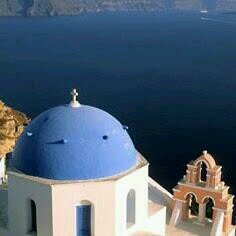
(170, 77)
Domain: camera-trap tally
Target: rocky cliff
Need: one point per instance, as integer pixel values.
(12, 124)
(75, 7)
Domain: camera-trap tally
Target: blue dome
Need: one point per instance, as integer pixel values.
(68, 143)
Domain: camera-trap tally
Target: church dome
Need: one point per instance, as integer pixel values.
(74, 143)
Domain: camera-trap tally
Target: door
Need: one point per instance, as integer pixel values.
(83, 220)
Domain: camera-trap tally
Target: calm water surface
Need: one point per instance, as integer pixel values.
(170, 77)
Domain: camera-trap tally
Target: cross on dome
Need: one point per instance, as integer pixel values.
(74, 102)
(74, 94)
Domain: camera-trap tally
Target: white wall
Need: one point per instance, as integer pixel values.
(109, 201)
(3, 212)
(56, 204)
(156, 224)
(66, 197)
(2, 169)
(138, 181)
(20, 191)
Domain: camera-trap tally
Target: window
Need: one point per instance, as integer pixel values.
(33, 216)
(130, 208)
(84, 219)
(203, 175)
(192, 205)
(209, 207)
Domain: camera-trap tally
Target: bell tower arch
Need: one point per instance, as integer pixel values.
(212, 199)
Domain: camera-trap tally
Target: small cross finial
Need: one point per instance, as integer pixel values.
(74, 95)
(74, 102)
(204, 152)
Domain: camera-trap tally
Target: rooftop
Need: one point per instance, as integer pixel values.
(74, 142)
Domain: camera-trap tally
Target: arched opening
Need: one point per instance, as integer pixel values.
(33, 217)
(209, 207)
(84, 218)
(130, 208)
(193, 206)
(203, 171)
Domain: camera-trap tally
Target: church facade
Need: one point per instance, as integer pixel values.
(76, 172)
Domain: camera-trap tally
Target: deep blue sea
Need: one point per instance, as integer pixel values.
(171, 77)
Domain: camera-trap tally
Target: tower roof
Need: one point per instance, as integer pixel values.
(207, 159)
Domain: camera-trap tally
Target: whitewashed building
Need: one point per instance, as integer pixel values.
(76, 172)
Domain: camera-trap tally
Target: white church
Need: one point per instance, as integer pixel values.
(75, 172)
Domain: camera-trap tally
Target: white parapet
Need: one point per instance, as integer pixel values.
(2, 169)
(217, 227)
(156, 224)
(176, 214)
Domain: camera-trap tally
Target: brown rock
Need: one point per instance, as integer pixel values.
(12, 124)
